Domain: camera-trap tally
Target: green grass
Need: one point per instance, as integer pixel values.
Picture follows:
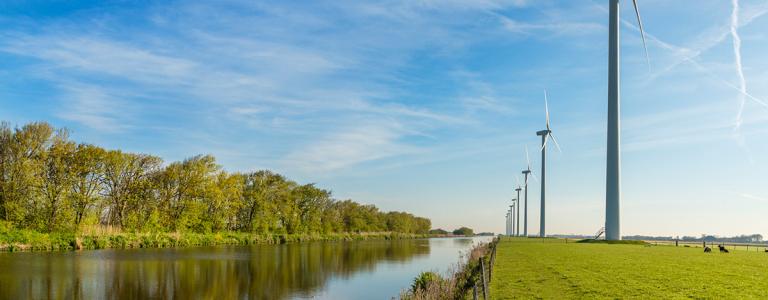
(552, 269)
(624, 242)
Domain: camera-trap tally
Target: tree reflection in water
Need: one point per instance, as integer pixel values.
(260, 272)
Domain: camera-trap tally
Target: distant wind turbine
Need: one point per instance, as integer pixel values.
(506, 224)
(545, 134)
(613, 163)
(512, 219)
(517, 232)
(527, 172)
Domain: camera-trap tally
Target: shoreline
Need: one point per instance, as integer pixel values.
(30, 241)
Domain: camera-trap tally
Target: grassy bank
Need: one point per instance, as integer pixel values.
(552, 269)
(458, 283)
(27, 240)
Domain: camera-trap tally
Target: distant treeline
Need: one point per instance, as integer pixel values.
(49, 183)
(752, 238)
(466, 231)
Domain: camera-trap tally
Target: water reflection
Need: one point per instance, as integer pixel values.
(259, 272)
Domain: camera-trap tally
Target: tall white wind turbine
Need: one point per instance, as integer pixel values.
(546, 135)
(613, 163)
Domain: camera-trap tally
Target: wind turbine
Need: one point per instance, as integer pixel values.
(512, 218)
(613, 163)
(506, 223)
(517, 233)
(545, 134)
(526, 173)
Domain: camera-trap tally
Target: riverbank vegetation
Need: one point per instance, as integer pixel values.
(56, 191)
(460, 282)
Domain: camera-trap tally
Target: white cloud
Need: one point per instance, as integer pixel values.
(93, 107)
(558, 27)
(357, 143)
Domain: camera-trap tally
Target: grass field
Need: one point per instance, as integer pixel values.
(552, 269)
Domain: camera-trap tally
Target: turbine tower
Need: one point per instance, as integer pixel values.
(613, 155)
(526, 173)
(517, 203)
(545, 134)
(506, 224)
(512, 218)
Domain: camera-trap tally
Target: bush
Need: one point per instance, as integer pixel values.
(464, 231)
(424, 280)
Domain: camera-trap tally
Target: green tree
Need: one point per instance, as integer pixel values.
(49, 183)
(464, 231)
(21, 152)
(127, 186)
(183, 186)
(262, 192)
(56, 178)
(224, 200)
(88, 168)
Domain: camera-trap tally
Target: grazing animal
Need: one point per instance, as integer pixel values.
(722, 249)
(766, 250)
(707, 250)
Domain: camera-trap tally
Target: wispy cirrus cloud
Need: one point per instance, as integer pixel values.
(557, 27)
(352, 145)
(297, 72)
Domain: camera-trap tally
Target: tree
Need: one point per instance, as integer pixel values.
(56, 178)
(310, 202)
(183, 187)
(88, 168)
(465, 231)
(438, 231)
(50, 183)
(261, 193)
(21, 152)
(223, 201)
(127, 185)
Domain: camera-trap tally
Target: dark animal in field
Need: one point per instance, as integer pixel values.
(722, 249)
(707, 250)
(766, 250)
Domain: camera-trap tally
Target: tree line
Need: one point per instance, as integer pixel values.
(51, 183)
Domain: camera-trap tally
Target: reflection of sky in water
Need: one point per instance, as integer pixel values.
(389, 278)
(326, 270)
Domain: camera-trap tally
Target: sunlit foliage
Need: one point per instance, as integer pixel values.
(49, 183)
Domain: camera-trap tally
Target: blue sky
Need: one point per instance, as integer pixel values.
(422, 106)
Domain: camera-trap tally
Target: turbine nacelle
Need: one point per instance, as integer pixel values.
(543, 132)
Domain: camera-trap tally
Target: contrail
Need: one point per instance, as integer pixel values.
(737, 57)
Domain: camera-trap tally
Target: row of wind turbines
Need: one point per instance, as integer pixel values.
(613, 152)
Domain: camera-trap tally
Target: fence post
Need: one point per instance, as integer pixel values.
(490, 264)
(482, 275)
(474, 291)
(676, 243)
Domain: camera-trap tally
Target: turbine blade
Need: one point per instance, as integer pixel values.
(546, 107)
(534, 176)
(527, 157)
(642, 33)
(557, 145)
(544, 145)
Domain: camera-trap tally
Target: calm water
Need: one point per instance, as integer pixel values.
(320, 270)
